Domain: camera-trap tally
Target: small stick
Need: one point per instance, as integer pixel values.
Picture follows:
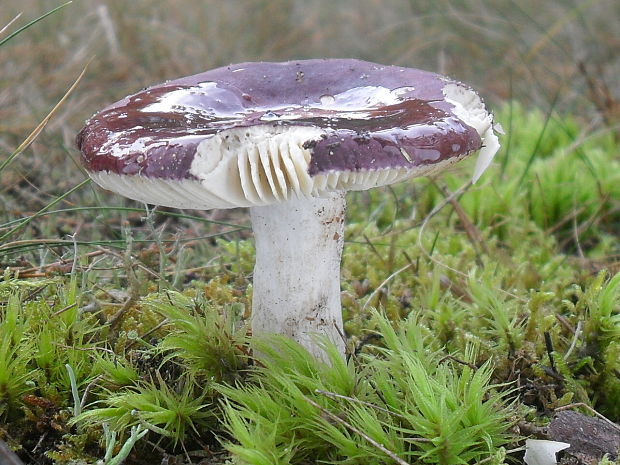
(34, 293)
(564, 322)
(473, 233)
(428, 255)
(39, 443)
(574, 341)
(60, 262)
(134, 294)
(62, 310)
(352, 399)
(159, 325)
(458, 360)
(549, 346)
(374, 249)
(337, 419)
(576, 233)
(85, 349)
(413, 265)
(342, 335)
(136, 263)
(383, 284)
(587, 407)
(87, 390)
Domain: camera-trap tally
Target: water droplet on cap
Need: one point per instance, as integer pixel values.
(327, 99)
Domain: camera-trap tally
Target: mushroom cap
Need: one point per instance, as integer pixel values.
(259, 133)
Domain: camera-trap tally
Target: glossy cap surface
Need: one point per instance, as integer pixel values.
(272, 131)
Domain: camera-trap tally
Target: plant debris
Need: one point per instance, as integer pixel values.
(590, 438)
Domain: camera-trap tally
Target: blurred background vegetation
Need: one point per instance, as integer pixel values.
(561, 54)
(526, 253)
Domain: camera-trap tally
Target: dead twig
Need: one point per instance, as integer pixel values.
(374, 249)
(333, 395)
(56, 264)
(574, 341)
(457, 360)
(349, 426)
(383, 284)
(87, 391)
(549, 347)
(473, 233)
(428, 254)
(590, 409)
(64, 309)
(161, 324)
(134, 294)
(564, 322)
(601, 94)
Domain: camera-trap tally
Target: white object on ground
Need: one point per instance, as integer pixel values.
(542, 452)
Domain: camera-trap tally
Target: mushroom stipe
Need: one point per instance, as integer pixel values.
(287, 140)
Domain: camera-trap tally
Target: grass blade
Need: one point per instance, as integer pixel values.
(541, 135)
(31, 23)
(128, 210)
(43, 210)
(32, 136)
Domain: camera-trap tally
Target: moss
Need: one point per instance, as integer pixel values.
(500, 277)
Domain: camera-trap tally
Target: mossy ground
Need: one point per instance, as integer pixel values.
(473, 312)
(511, 281)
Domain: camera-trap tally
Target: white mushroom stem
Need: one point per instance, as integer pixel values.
(297, 271)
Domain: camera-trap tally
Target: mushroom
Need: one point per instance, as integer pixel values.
(287, 140)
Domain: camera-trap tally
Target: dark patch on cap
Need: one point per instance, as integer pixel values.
(155, 132)
(409, 134)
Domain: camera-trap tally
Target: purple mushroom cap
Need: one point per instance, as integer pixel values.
(367, 117)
